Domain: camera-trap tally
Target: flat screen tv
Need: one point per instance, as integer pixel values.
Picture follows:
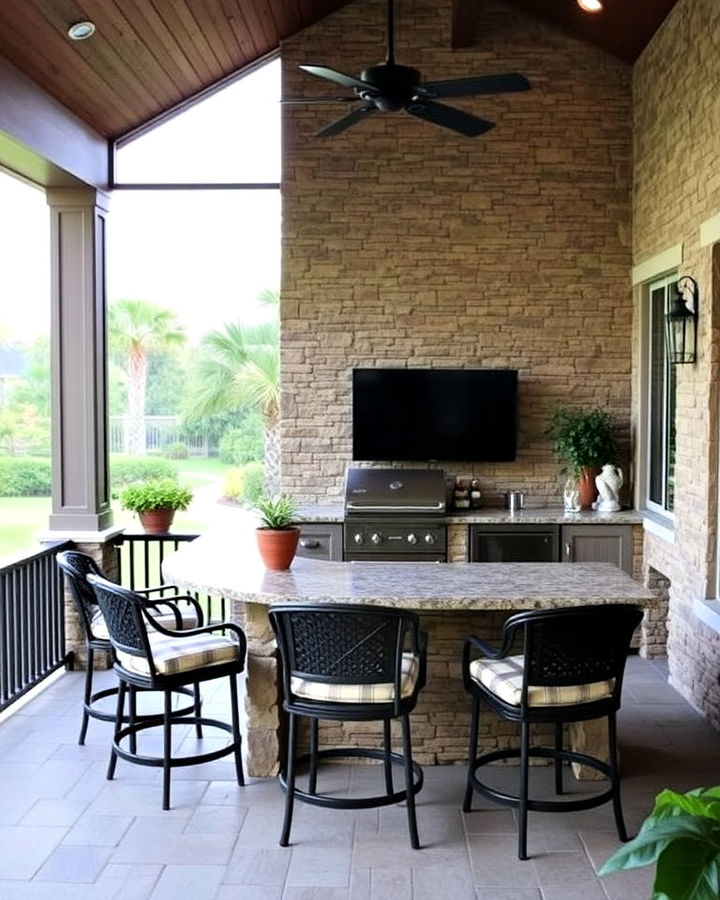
(434, 414)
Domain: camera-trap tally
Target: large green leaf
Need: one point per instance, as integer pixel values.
(687, 870)
(657, 834)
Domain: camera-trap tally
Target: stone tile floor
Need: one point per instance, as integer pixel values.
(66, 832)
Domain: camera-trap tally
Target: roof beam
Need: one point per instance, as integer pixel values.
(462, 29)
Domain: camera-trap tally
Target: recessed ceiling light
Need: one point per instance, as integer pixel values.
(590, 6)
(81, 31)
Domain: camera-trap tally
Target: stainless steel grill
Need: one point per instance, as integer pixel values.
(395, 514)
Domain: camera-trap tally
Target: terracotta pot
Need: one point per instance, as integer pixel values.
(277, 546)
(157, 521)
(587, 489)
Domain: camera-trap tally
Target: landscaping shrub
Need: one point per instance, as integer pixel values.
(25, 477)
(175, 450)
(254, 478)
(127, 469)
(241, 445)
(234, 485)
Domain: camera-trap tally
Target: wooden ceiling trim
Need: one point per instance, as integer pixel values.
(161, 43)
(238, 25)
(191, 41)
(100, 54)
(113, 21)
(226, 46)
(79, 88)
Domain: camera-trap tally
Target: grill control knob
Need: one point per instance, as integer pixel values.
(357, 537)
(430, 538)
(412, 538)
(376, 537)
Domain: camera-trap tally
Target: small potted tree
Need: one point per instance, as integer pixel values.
(278, 534)
(155, 502)
(585, 442)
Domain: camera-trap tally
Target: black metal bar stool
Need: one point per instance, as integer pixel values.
(148, 656)
(570, 670)
(351, 663)
(172, 612)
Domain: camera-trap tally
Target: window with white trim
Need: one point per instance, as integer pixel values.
(659, 403)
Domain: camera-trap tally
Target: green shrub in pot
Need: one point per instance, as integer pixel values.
(155, 501)
(278, 534)
(277, 513)
(682, 836)
(582, 440)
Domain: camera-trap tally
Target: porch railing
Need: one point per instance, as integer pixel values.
(140, 558)
(32, 623)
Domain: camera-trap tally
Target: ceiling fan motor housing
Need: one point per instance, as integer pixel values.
(390, 86)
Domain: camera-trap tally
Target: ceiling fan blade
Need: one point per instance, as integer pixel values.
(299, 100)
(346, 121)
(338, 77)
(477, 84)
(449, 117)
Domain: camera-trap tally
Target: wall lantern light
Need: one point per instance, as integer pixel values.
(681, 322)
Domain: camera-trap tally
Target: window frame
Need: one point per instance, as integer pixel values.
(654, 406)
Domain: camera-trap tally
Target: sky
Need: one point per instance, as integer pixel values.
(206, 254)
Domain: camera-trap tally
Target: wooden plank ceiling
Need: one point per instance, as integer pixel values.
(149, 56)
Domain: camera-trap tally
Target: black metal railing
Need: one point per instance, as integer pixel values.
(32, 622)
(140, 559)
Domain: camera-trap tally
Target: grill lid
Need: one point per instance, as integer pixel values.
(395, 492)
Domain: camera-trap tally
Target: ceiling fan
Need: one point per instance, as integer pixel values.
(388, 87)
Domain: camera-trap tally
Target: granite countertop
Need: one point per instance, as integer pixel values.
(233, 569)
(542, 515)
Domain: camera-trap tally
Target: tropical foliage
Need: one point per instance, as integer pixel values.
(135, 328)
(681, 835)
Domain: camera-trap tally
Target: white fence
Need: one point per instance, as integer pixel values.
(159, 432)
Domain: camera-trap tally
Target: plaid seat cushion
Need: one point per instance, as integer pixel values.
(166, 619)
(175, 655)
(359, 693)
(504, 678)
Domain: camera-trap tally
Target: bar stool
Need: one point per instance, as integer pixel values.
(351, 663)
(172, 612)
(570, 670)
(148, 656)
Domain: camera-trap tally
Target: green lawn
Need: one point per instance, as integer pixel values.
(21, 518)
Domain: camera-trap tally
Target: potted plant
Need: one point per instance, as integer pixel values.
(278, 534)
(585, 442)
(155, 502)
(681, 835)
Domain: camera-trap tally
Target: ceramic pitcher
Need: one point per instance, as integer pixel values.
(608, 483)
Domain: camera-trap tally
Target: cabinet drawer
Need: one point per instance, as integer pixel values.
(321, 541)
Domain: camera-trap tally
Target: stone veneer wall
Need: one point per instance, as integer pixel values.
(677, 187)
(404, 244)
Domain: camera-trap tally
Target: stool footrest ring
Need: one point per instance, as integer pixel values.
(542, 805)
(103, 716)
(355, 802)
(174, 761)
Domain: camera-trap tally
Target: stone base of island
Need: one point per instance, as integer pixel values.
(452, 599)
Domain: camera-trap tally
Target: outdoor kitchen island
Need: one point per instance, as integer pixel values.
(453, 599)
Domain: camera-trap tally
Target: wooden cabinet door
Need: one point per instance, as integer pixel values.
(598, 543)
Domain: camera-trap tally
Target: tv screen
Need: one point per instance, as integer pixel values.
(434, 414)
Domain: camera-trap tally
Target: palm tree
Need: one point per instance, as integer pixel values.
(239, 366)
(135, 329)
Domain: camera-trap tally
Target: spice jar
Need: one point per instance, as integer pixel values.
(475, 494)
(461, 494)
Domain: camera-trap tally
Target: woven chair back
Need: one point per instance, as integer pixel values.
(578, 645)
(352, 645)
(122, 611)
(77, 566)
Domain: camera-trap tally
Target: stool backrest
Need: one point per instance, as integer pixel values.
(122, 610)
(343, 643)
(575, 645)
(77, 566)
